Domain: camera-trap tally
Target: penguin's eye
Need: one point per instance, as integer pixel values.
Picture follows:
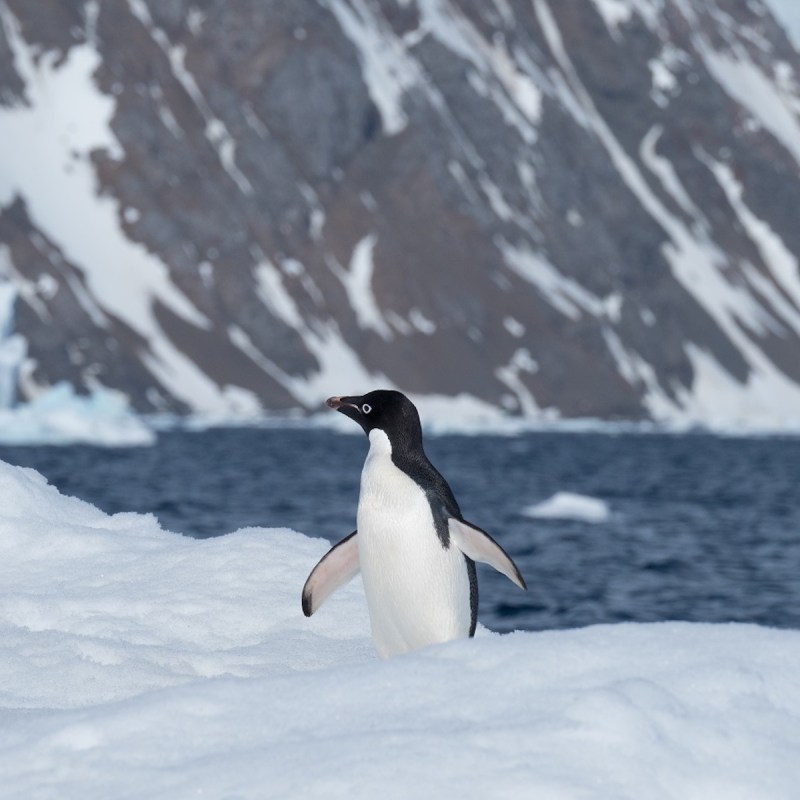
(366, 408)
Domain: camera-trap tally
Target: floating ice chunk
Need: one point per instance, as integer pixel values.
(568, 505)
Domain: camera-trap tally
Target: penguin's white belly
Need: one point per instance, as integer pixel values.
(417, 590)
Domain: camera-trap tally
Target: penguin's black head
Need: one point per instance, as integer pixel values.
(384, 410)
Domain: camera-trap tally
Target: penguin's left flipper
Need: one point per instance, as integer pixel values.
(479, 546)
(339, 565)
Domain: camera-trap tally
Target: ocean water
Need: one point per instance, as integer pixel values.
(701, 528)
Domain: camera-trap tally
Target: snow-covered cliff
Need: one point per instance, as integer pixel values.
(559, 209)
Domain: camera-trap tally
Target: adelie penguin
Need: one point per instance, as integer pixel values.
(415, 551)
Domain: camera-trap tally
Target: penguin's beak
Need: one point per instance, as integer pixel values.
(350, 407)
(341, 403)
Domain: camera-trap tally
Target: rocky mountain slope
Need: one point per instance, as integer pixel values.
(572, 208)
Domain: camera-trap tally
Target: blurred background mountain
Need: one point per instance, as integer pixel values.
(553, 208)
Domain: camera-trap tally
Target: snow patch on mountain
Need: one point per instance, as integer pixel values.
(775, 107)
(357, 281)
(216, 131)
(58, 184)
(388, 71)
(564, 294)
(783, 265)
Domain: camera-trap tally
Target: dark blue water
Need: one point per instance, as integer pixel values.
(702, 528)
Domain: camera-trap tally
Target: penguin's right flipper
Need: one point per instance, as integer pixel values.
(338, 566)
(476, 544)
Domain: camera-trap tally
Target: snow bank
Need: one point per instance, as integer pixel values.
(59, 416)
(139, 663)
(568, 505)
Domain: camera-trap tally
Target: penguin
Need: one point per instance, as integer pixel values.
(415, 551)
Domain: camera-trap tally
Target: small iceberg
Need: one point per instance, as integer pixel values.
(568, 505)
(60, 416)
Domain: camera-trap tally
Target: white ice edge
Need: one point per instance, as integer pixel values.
(60, 416)
(498, 426)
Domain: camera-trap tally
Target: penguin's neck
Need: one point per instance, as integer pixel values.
(386, 455)
(379, 444)
(378, 465)
(403, 448)
(384, 487)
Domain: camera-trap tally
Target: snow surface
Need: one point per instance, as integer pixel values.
(568, 505)
(139, 663)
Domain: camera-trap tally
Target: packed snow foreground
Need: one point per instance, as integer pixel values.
(139, 663)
